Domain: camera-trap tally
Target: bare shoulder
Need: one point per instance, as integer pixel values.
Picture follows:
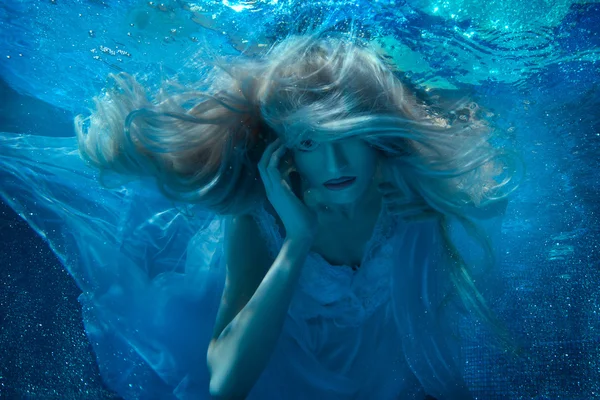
(246, 251)
(243, 231)
(247, 262)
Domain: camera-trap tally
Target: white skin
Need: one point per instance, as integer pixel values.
(341, 158)
(330, 160)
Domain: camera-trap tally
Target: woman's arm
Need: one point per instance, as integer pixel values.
(253, 308)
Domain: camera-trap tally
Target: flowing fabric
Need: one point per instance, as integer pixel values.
(149, 270)
(152, 273)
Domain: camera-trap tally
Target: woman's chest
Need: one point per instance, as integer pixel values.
(344, 243)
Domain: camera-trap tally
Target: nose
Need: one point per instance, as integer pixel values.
(335, 159)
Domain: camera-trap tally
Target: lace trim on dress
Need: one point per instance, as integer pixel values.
(337, 291)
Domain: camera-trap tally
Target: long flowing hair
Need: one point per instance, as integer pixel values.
(202, 145)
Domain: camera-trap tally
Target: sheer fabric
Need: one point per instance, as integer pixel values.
(152, 273)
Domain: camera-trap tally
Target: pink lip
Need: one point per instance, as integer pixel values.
(339, 184)
(338, 180)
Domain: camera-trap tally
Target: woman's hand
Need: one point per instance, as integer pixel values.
(299, 221)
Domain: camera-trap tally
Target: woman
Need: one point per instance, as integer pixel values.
(327, 188)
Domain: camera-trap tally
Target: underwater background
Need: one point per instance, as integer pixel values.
(534, 65)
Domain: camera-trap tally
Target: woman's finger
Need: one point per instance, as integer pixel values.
(274, 169)
(266, 157)
(275, 159)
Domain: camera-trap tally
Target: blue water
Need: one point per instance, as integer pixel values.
(533, 64)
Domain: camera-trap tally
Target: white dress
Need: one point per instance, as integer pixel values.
(152, 274)
(340, 339)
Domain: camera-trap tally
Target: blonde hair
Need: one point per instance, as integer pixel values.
(203, 146)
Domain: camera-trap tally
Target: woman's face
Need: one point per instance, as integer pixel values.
(341, 170)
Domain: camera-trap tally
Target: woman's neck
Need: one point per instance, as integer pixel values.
(368, 200)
